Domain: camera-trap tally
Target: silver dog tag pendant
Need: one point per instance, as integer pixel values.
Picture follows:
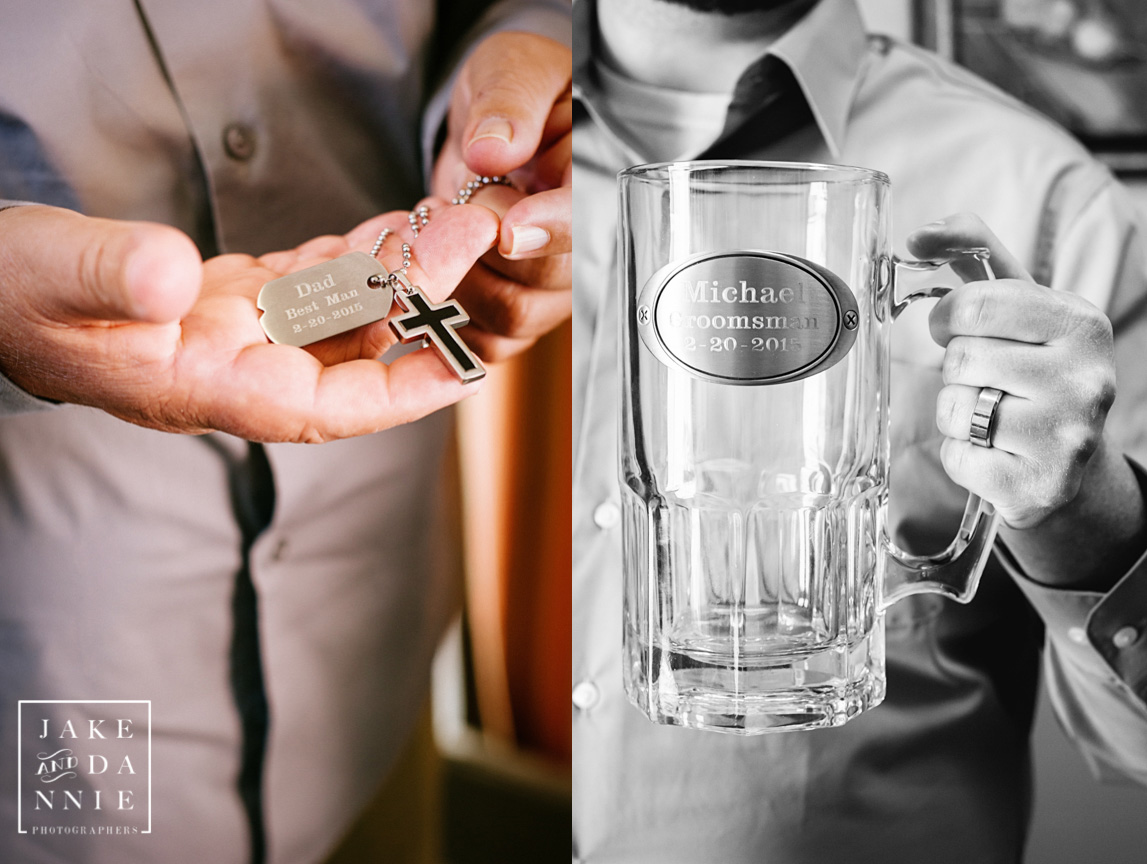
(325, 300)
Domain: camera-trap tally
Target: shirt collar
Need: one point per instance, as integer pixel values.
(824, 51)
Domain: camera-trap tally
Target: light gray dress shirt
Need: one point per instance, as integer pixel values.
(940, 772)
(251, 126)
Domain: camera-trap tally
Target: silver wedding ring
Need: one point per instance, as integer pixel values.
(984, 416)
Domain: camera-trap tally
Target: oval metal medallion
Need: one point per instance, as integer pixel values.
(747, 317)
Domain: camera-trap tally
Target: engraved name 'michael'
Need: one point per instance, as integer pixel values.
(705, 291)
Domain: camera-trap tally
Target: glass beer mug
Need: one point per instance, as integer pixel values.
(757, 304)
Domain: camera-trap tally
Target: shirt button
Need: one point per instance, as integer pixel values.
(585, 695)
(606, 515)
(1124, 637)
(239, 141)
(1077, 635)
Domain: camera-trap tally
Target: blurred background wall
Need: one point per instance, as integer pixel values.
(485, 778)
(1077, 68)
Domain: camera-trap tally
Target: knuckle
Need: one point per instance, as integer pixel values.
(496, 94)
(974, 310)
(504, 95)
(947, 411)
(1105, 394)
(1099, 325)
(953, 458)
(1077, 442)
(1083, 319)
(89, 267)
(1055, 482)
(957, 359)
(509, 312)
(1100, 394)
(1094, 385)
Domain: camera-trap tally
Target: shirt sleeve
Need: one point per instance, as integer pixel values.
(549, 18)
(1095, 665)
(1096, 644)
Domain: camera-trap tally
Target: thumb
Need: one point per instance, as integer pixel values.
(504, 98)
(103, 269)
(961, 233)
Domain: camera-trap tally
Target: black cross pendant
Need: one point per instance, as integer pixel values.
(434, 323)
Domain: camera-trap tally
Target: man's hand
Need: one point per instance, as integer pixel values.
(511, 113)
(1050, 470)
(1051, 354)
(124, 316)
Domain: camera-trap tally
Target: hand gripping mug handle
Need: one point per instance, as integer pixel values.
(955, 572)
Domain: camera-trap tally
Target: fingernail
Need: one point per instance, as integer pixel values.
(527, 238)
(493, 127)
(939, 223)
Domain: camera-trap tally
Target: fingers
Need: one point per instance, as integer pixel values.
(516, 295)
(504, 98)
(1017, 421)
(1025, 492)
(537, 226)
(445, 250)
(411, 387)
(101, 269)
(1027, 371)
(553, 165)
(311, 403)
(507, 308)
(487, 99)
(492, 348)
(1049, 352)
(948, 237)
(1036, 459)
(994, 475)
(1011, 309)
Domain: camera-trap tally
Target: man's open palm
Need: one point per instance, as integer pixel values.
(125, 317)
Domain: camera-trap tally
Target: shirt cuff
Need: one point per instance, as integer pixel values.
(16, 400)
(1102, 633)
(5, 203)
(549, 18)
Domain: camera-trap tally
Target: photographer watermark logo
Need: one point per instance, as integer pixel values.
(84, 767)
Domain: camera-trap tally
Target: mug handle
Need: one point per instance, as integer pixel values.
(955, 572)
